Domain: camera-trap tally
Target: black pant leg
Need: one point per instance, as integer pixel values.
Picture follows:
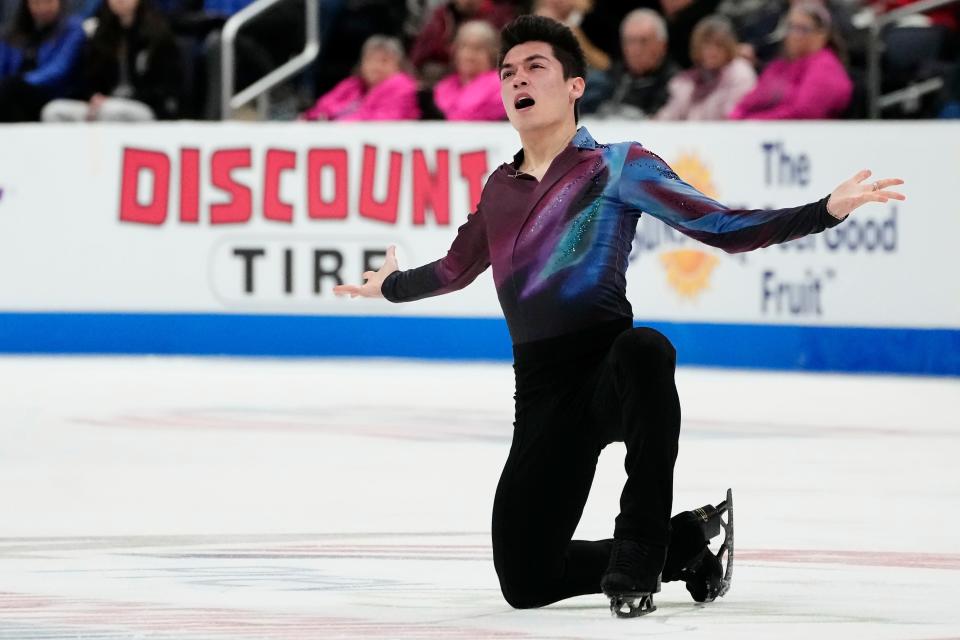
(636, 402)
(539, 501)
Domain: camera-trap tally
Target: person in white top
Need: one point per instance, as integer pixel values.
(718, 80)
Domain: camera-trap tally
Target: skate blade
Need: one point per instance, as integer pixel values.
(727, 547)
(632, 606)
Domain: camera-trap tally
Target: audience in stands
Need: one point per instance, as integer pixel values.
(380, 90)
(571, 13)
(39, 59)
(809, 81)
(472, 91)
(131, 69)
(717, 82)
(430, 52)
(637, 85)
(666, 59)
(682, 16)
(761, 26)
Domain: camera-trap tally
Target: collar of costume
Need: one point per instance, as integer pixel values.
(581, 139)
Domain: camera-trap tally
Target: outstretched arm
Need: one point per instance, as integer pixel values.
(648, 184)
(467, 258)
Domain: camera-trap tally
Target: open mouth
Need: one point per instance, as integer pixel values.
(523, 102)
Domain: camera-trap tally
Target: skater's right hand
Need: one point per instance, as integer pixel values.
(371, 288)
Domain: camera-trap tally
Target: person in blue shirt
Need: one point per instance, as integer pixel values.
(39, 59)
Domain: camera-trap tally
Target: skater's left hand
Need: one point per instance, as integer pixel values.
(853, 193)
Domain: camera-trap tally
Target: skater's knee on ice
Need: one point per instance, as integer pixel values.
(521, 596)
(646, 345)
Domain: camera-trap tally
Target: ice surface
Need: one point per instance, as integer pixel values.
(223, 498)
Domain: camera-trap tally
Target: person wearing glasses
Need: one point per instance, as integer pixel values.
(809, 82)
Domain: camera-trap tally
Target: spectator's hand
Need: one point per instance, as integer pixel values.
(852, 193)
(96, 101)
(371, 288)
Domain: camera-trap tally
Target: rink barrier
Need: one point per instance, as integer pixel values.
(934, 352)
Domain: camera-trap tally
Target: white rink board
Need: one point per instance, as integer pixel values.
(62, 193)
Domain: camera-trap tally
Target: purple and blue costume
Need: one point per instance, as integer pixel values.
(559, 247)
(585, 376)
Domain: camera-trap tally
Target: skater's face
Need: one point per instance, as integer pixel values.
(535, 94)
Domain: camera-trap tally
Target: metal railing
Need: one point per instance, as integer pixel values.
(875, 101)
(260, 89)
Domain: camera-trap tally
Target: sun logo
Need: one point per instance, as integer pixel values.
(688, 270)
(689, 167)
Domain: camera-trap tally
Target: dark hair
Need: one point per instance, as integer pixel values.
(22, 26)
(820, 14)
(148, 25)
(566, 47)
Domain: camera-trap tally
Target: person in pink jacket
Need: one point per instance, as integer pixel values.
(472, 91)
(718, 80)
(379, 91)
(809, 82)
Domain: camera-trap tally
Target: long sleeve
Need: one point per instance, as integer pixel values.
(821, 90)
(648, 184)
(58, 67)
(479, 100)
(681, 95)
(333, 101)
(755, 98)
(10, 60)
(468, 257)
(393, 99)
(739, 80)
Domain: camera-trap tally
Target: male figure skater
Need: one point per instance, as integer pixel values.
(557, 226)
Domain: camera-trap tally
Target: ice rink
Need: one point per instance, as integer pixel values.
(225, 498)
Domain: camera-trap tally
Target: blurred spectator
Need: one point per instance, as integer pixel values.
(131, 69)
(719, 80)
(682, 16)
(637, 86)
(809, 82)
(601, 25)
(39, 59)
(761, 26)
(570, 13)
(431, 50)
(356, 21)
(379, 91)
(472, 91)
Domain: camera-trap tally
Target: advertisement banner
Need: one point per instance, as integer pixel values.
(112, 224)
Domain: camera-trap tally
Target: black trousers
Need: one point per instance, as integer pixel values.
(575, 394)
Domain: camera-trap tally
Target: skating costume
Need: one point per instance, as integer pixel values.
(584, 375)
